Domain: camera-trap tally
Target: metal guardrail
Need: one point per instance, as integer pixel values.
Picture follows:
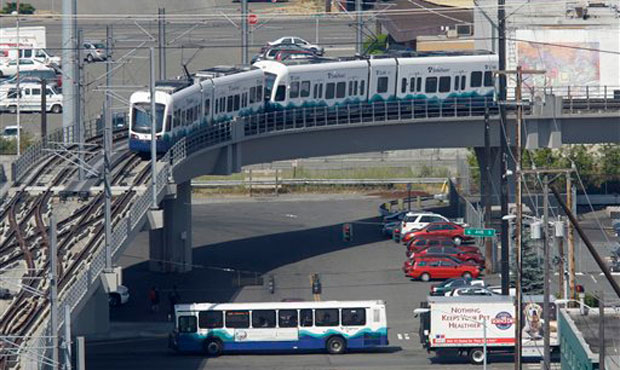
(224, 183)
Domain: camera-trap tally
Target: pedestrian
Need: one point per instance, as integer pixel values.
(152, 299)
(173, 298)
(156, 300)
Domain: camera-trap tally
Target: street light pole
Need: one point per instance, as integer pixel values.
(19, 92)
(546, 309)
(153, 130)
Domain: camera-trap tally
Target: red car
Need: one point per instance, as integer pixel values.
(446, 229)
(441, 268)
(452, 251)
(408, 264)
(422, 242)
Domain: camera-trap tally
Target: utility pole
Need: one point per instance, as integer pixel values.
(519, 206)
(53, 254)
(359, 25)
(68, 63)
(107, 153)
(559, 235)
(571, 239)
(488, 252)
(601, 331)
(19, 91)
(503, 140)
(77, 104)
(162, 43)
(547, 282)
(153, 130)
(43, 112)
(244, 31)
(67, 338)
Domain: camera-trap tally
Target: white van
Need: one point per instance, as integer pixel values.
(30, 100)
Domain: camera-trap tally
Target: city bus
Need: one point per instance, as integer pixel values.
(334, 326)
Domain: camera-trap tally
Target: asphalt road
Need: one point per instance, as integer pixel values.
(288, 238)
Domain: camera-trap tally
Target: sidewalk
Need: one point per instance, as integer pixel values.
(126, 330)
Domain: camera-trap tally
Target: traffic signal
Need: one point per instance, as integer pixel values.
(347, 232)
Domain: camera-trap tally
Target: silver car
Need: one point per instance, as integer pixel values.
(95, 52)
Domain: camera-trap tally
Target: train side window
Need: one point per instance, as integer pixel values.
(355, 87)
(229, 104)
(456, 83)
(252, 94)
(403, 87)
(281, 93)
(463, 79)
(304, 92)
(207, 106)
(315, 91)
(321, 91)
(431, 85)
(350, 88)
(294, 90)
(341, 90)
(418, 87)
(444, 84)
(488, 78)
(362, 87)
(244, 100)
(259, 93)
(330, 90)
(237, 102)
(412, 84)
(217, 105)
(382, 85)
(476, 79)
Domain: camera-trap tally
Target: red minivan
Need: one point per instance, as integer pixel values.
(426, 269)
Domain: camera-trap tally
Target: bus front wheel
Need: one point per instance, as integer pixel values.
(336, 345)
(213, 347)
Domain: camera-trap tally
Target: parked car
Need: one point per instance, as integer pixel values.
(396, 216)
(497, 289)
(118, 297)
(451, 251)
(294, 54)
(424, 241)
(441, 268)
(10, 68)
(470, 290)
(9, 133)
(30, 98)
(416, 221)
(450, 284)
(271, 52)
(297, 41)
(446, 229)
(408, 264)
(389, 228)
(95, 52)
(49, 75)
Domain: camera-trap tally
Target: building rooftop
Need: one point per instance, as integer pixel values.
(588, 328)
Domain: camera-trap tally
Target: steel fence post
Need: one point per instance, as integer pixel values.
(588, 96)
(337, 115)
(385, 111)
(471, 100)
(605, 93)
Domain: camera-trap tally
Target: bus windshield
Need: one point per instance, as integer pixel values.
(141, 117)
(270, 79)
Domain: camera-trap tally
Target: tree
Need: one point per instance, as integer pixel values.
(376, 45)
(532, 266)
(24, 8)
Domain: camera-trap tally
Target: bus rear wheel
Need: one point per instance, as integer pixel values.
(213, 347)
(336, 345)
(476, 356)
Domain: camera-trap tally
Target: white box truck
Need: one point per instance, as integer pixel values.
(457, 324)
(32, 43)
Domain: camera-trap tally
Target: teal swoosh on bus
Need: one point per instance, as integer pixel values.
(378, 332)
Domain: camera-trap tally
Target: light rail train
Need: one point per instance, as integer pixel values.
(225, 92)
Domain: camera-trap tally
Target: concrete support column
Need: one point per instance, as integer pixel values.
(171, 246)
(93, 318)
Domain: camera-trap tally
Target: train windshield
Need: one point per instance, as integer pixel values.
(141, 117)
(270, 79)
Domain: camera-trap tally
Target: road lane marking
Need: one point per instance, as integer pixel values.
(400, 337)
(406, 336)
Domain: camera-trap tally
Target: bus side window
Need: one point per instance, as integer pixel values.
(210, 319)
(287, 318)
(237, 319)
(327, 317)
(187, 324)
(305, 317)
(353, 316)
(263, 318)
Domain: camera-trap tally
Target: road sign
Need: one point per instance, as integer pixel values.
(252, 19)
(480, 233)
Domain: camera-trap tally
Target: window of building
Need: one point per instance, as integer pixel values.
(488, 78)
(431, 85)
(305, 317)
(341, 89)
(287, 318)
(382, 85)
(264, 319)
(187, 324)
(210, 319)
(353, 316)
(237, 319)
(476, 79)
(305, 89)
(326, 317)
(330, 90)
(293, 92)
(444, 84)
